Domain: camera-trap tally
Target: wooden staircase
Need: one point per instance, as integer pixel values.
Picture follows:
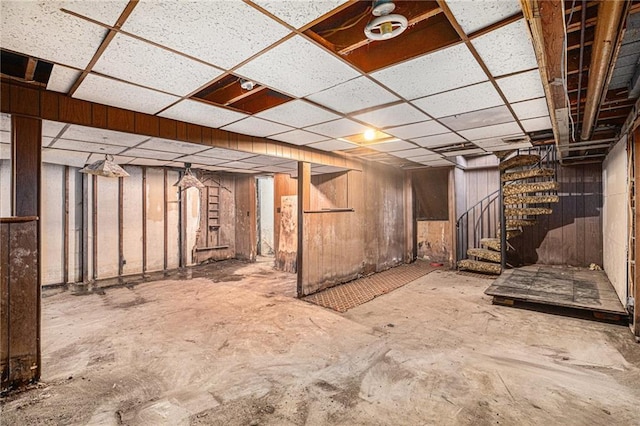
(525, 185)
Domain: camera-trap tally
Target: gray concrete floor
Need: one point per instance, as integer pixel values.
(243, 351)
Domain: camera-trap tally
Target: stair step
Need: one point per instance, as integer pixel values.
(513, 223)
(530, 199)
(511, 233)
(526, 174)
(518, 161)
(490, 255)
(526, 211)
(478, 266)
(491, 243)
(524, 188)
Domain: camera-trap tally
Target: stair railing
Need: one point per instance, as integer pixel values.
(476, 223)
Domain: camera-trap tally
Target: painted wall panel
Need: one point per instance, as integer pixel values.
(5, 188)
(192, 199)
(75, 225)
(155, 219)
(107, 216)
(615, 217)
(173, 227)
(132, 221)
(52, 224)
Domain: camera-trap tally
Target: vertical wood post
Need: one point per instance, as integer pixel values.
(94, 223)
(144, 220)
(120, 226)
(636, 278)
(65, 254)
(304, 204)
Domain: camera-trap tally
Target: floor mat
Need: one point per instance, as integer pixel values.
(343, 297)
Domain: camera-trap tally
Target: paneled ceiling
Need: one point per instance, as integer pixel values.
(463, 79)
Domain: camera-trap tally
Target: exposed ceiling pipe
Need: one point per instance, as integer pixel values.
(583, 21)
(607, 31)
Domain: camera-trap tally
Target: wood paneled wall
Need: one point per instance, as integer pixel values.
(285, 219)
(572, 235)
(246, 230)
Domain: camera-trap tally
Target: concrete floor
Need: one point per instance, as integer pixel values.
(242, 351)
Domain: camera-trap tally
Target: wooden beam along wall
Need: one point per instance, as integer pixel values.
(17, 99)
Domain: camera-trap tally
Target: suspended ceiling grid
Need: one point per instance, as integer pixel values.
(480, 88)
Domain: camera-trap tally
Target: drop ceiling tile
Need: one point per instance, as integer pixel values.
(432, 73)
(470, 98)
(5, 137)
(297, 67)
(222, 33)
(464, 152)
(497, 141)
(535, 124)
(51, 128)
(473, 15)
(5, 122)
(265, 160)
(64, 158)
(88, 147)
(438, 163)
(119, 159)
(136, 61)
(338, 128)
(507, 49)
(396, 145)
(531, 109)
(227, 154)
(199, 159)
(396, 115)
(510, 146)
(238, 165)
(410, 131)
(491, 131)
(481, 118)
(354, 95)
(256, 127)
(34, 28)
(297, 113)
(147, 162)
(328, 169)
(299, 137)
(105, 11)
(62, 78)
(201, 113)
(167, 145)
(5, 151)
(299, 13)
(424, 158)
(148, 153)
(415, 152)
(106, 91)
(521, 87)
(273, 169)
(46, 141)
(333, 145)
(108, 137)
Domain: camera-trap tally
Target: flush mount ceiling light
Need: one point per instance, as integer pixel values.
(369, 137)
(247, 85)
(188, 180)
(106, 168)
(386, 25)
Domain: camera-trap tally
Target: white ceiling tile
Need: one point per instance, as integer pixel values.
(148, 153)
(473, 15)
(459, 101)
(327, 169)
(531, 109)
(415, 152)
(256, 127)
(491, 131)
(5, 137)
(42, 30)
(523, 86)
(46, 141)
(167, 145)
(273, 169)
(199, 159)
(392, 116)
(297, 113)
(432, 73)
(299, 13)
(108, 137)
(147, 162)
(62, 78)
(410, 131)
(497, 141)
(535, 124)
(5, 151)
(396, 145)
(74, 145)
(106, 91)
(51, 128)
(298, 67)
(65, 158)
(299, 137)
(333, 145)
(507, 49)
(265, 160)
(142, 63)
(227, 154)
(464, 152)
(5, 122)
(354, 95)
(223, 33)
(439, 140)
(425, 158)
(481, 118)
(438, 163)
(119, 159)
(201, 113)
(239, 165)
(338, 128)
(105, 11)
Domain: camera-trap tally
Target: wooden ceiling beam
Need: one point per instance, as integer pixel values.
(31, 69)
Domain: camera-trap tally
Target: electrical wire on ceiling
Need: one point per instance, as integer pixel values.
(349, 24)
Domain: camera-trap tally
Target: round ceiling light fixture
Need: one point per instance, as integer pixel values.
(386, 25)
(370, 134)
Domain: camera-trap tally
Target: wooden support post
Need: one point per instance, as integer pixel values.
(94, 223)
(304, 204)
(120, 226)
(20, 261)
(65, 254)
(165, 222)
(144, 220)
(85, 227)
